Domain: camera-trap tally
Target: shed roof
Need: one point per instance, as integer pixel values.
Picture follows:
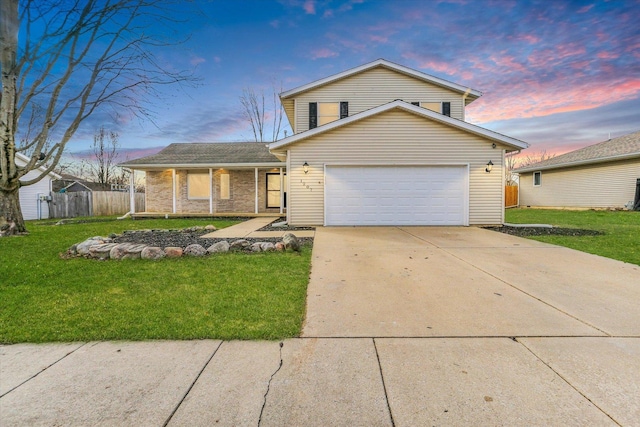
(623, 147)
(208, 154)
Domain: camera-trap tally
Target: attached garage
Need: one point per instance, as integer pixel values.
(396, 195)
(397, 164)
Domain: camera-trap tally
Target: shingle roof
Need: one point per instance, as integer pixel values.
(207, 154)
(627, 146)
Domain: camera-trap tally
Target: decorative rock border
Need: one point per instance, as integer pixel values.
(104, 248)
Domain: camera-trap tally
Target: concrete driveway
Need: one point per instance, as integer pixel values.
(463, 282)
(405, 327)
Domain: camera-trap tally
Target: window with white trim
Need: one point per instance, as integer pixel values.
(225, 187)
(537, 179)
(197, 186)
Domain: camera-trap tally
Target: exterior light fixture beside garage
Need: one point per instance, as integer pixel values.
(305, 167)
(489, 166)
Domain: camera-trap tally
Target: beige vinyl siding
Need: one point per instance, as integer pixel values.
(373, 88)
(604, 185)
(395, 137)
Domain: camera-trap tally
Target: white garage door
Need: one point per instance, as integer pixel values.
(396, 195)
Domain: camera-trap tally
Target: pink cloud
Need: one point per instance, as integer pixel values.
(309, 7)
(533, 99)
(323, 53)
(607, 55)
(585, 9)
(379, 39)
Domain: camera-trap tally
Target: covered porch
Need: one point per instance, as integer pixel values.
(226, 190)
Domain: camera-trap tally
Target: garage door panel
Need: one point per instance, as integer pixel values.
(396, 195)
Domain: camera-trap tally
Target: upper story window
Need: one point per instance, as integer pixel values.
(321, 113)
(439, 107)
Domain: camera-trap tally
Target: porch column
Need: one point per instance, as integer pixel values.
(281, 192)
(210, 191)
(256, 176)
(173, 188)
(132, 191)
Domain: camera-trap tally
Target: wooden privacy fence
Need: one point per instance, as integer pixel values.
(511, 196)
(97, 203)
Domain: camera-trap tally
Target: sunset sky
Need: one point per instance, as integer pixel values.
(556, 74)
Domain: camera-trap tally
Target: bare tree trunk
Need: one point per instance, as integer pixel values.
(11, 221)
(10, 212)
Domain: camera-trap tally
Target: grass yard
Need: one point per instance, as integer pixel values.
(621, 238)
(44, 298)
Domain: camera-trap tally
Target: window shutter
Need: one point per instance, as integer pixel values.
(415, 103)
(446, 108)
(344, 110)
(313, 115)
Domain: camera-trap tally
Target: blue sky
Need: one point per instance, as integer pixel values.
(556, 74)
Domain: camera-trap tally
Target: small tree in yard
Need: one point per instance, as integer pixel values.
(77, 57)
(103, 169)
(259, 115)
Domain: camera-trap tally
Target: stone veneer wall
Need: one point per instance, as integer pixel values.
(241, 192)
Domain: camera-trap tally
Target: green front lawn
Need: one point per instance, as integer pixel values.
(621, 238)
(45, 298)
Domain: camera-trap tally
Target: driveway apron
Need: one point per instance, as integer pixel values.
(463, 281)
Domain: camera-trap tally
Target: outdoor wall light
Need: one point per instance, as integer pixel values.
(305, 167)
(489, 166)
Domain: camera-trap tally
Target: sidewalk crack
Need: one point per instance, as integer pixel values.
(384, 386)
(42, 370)
(264, 401)
(567, 381)
(191, 386)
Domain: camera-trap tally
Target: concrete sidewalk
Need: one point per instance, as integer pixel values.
(250, 229)
(572, 381)
(404, 327)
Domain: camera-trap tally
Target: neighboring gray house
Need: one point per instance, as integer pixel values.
(603, 175)
(33, 198)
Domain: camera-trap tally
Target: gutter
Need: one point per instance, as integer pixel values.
(533, 168)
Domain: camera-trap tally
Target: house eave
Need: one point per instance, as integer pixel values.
(471, 93)
(25, 159)
(534, 168)
(231, 166)
(275, 147)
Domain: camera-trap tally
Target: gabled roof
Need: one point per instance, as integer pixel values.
(26, 159)
(471, 93)
(515, 144)
(208, 155)
(623, 147)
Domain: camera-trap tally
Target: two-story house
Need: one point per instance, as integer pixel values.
(379, 144)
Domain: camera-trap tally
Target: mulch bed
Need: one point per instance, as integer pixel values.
(270, 227)
(543, 231)
(182, 239)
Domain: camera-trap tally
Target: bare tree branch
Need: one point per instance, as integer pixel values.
(77, 57)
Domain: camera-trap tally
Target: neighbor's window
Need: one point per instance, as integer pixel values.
(224, 186)
(328, 112)
(198, 185)
(537, 178)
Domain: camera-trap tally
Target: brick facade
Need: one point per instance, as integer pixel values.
(159, 196)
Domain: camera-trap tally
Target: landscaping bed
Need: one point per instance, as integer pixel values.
(182, 239)
(545, 231)
(270, 227)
